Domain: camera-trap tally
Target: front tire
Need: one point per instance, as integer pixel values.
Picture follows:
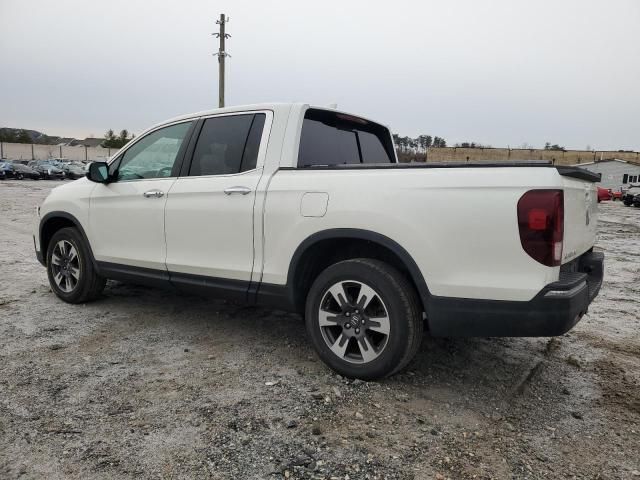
(364, 318)
(70, 270)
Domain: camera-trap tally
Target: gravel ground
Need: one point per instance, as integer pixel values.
(154, 384)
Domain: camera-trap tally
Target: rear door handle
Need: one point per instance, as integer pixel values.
(240, 190)
(153, 194)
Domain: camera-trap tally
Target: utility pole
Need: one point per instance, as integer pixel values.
(221, 56)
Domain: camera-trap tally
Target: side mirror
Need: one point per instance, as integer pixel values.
(98, 172)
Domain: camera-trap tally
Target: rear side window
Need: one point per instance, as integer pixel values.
(227, 145)
(372, 147)
(332, 138)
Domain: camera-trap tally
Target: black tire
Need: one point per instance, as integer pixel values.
(19, 176)
(397, 297)
(89, 285)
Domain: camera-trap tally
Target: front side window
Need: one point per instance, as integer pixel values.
(228, 145)
(154, 155)
(332, 138)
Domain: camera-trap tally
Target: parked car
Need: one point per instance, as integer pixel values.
(603, 194)
(636, 200)
(7, 171)
(73, 171)
(3, 175)
(20, 171)
(615, 194)
(47, 169)
(629, 194)
(307, 209)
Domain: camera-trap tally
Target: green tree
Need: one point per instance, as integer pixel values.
(439, 142)
(23, 137)
(555, 146)
(424, 141)
(7, 135)
(123, 137)
(109, 139)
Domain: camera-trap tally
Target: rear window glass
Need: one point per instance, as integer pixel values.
(332, 138)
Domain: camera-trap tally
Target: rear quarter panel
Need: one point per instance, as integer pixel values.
(458, 224)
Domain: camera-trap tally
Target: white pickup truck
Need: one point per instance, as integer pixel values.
(307, 209)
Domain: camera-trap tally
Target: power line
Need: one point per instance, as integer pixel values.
(222, 54)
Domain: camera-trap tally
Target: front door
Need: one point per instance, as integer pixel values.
(126, 217)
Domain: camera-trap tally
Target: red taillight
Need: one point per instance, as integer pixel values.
(538, 219)
(541, 225)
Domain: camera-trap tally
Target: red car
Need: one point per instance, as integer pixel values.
(616, 195)
(603, 194)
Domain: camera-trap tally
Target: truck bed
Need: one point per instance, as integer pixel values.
(567, 171)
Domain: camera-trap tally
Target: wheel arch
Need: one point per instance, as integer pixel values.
(54, 221)
(326, 247)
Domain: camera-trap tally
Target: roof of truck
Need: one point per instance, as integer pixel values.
(238, 108)
(261, 106)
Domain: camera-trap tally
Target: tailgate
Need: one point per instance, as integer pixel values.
(580, 216)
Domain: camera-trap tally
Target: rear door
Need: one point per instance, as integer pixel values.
(210, 208)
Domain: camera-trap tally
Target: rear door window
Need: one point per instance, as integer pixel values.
(332, 138)
(227, 145)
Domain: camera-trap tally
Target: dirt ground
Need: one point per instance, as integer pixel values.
(155, 384)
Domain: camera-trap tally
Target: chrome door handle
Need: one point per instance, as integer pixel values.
(240, 190)
(153, 194)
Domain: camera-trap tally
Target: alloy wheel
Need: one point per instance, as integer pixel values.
(354, 321)
(65, 266)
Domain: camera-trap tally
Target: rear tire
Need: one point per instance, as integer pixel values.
(71, 273)
(364, 318)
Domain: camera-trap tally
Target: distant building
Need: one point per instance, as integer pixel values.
(615, 173)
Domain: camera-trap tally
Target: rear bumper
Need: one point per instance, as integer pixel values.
(553, 311)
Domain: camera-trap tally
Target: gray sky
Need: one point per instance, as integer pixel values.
(496, 72)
